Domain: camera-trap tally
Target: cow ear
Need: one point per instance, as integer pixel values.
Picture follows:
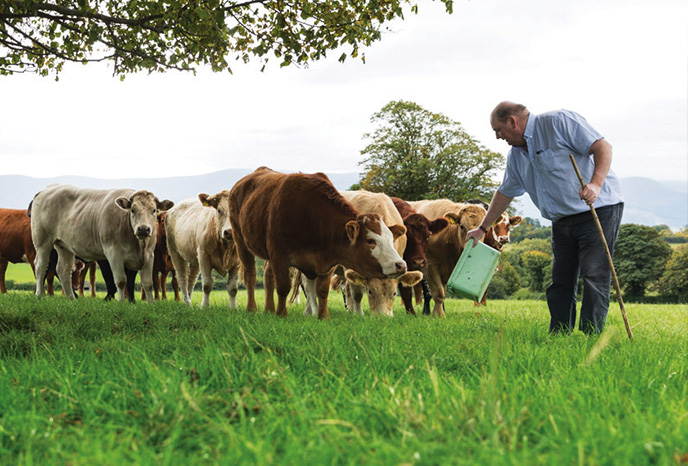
(410, 278)
(438, 225)
(123, 203)
(451, 217)
(164, 205)
(207, 200)
(355, 278)
(397, 230)
(352, 230)
(515, 220)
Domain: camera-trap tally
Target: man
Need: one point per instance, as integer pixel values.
(538, 163)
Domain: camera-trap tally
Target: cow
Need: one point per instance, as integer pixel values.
(162, 264)
(445, 247)
(15, 241)
(199, 238)
(498, 233)
(96, 224)
(300, 220)
(419, 229)
(381, 292)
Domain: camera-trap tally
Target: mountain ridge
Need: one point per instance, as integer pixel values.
(648, 202)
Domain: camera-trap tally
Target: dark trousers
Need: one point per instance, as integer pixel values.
(578, 251)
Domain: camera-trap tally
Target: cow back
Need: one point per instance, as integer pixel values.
(15, 236)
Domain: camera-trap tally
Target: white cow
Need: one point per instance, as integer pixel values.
(95, 224)
(199, 238)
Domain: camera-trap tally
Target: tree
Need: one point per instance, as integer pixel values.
(538, 265)
(639, 258)
(40, 36)
(530, 228)
(416, 154)
(674, 280)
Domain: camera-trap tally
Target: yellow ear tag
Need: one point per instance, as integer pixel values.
(359, 281)
(451, 220)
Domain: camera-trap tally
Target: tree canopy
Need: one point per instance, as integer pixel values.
(40, 36)
(640, 256)
(416, 154)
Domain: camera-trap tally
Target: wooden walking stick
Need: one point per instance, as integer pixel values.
(606, 249)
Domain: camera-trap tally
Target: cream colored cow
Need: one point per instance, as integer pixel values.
(199, 239)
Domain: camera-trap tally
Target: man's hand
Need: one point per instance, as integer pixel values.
(476, 234)
(590, 192)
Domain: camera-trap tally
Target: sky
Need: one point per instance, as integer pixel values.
(622, 64)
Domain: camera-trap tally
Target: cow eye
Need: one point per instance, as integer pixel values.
(133, 211)
(371, 242)
(219, 211)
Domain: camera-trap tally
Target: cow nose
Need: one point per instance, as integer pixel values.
(419, 263)
(400, 267)
(227, 234)
(143, 232)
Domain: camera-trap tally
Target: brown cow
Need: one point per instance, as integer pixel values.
(419, 229)
(498, 234)
(162, 264)
(445, 247)
(301, 220)
(15, 241)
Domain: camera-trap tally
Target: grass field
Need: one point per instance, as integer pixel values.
(91, 382)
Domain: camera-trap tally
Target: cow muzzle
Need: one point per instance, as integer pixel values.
(143, 232)
(399, 270)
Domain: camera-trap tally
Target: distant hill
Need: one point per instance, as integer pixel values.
(648, 202)
(16, 192)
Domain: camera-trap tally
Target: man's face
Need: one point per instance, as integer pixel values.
(510, 130)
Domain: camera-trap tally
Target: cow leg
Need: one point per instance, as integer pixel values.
(269, 285)
(182, 270)
(310, 289)
(131, 284)
(426, 296)
(146, 274)
(406, 293)
(3, 270)
(354, 294)
(41, 263)
(81, 279)
(175, 286)
(282, 279)
(322, 286)
(437, 293)
(109, 279)
(92, 278)
(162, 283)
(233, 286)
(206, 280)
(192, 278)
(248, 265)
(65, 265)
(418, 291)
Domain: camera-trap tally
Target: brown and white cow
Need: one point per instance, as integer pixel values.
(95, 224)
(445, 247)
(419, 229)
(301, 220)
(199, 239)
(381, 292)
(15, 241)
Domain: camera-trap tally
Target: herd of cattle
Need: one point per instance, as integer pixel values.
(310, 235)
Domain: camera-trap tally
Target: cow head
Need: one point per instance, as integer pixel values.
(219, 202)
(381, 293)
(502, 228)
(469, 217)
(374, 254)
(143, 207)
(418, 231)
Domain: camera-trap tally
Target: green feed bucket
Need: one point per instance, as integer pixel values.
(473, 271)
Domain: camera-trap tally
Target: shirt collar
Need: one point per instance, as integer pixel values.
(530, 127)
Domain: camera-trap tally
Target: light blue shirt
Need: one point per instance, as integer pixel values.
(545, 171)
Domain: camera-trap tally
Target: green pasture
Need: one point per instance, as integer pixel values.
(91, 382)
